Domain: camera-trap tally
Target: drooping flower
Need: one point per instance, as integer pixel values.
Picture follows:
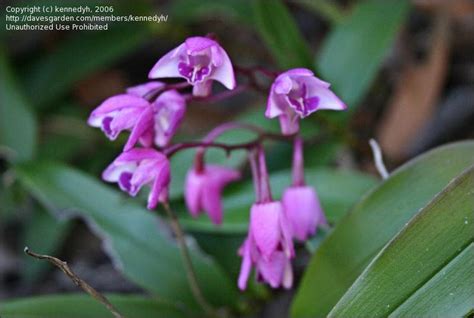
(303, 211)
(138, 167)
(276, 271)
(270, 229)
(199, 60)
(296, 94)
(269, 244)
(148, 122)
(203, 190)
(301, 203)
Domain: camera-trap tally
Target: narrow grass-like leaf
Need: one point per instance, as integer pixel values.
(354, 50)
(17, 122)
(280, 32)
(53, 75)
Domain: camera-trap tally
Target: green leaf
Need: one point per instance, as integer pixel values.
(138, 242)
(353, 52)
(78, 56)
(337, 190)
(432, 238)
(184, 11)
(83, 306)
(327, 9)
(280, 32)
(361, 234)
(45, 233)
(448, 294)
(223, 248)
(17, 122)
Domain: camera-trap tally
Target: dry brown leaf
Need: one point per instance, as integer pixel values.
(416, 95)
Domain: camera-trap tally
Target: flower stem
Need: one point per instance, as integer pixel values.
(188, 265)
(298, 162)
(216, 132)
(171, 150)
(253, 158)
(265, 191)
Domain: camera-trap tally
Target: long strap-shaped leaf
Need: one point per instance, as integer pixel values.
(448, 294)
(378, 217)
(434, 237)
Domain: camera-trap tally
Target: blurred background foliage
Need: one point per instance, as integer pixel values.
(404, 68)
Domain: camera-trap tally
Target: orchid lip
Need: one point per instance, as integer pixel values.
(125, 181)
(106, 126)
(193, 73)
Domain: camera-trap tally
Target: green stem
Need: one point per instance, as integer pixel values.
(188, 265)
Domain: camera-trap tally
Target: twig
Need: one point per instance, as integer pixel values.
(377, 153)
(79, 282)
(188, 265)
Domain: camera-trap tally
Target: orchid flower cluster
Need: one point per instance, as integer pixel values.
(153, 112)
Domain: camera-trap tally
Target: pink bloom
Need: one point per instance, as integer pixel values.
(303, 211)
(203, 190)
(138, 167)
(276, 271)
(118, 113)
(142, 90)
(296, 94)
(159, 122)
(148, 122)
(199, 60)
(270, 230)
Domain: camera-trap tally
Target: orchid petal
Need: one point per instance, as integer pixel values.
(142, 125)
(167, 66)
(143, 89)
(224, 73)
(265, 227)
(160, 188)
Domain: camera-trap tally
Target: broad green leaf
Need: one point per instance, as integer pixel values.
(84, 306)
(54, 74)
(280, 32)
(45, 233)
(223, 248)
(431, 239)
(337, 190)
(138, 242)
(449, 293)
(353, 52)
(360, 235)
(17, 122)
